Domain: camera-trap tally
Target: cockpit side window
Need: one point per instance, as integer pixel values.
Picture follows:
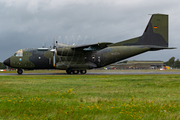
(19, 53)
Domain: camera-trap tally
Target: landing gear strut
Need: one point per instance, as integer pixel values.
(19, 71)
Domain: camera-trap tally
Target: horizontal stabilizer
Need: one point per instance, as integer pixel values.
(154, 48)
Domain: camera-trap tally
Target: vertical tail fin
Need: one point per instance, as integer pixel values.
(155, 34)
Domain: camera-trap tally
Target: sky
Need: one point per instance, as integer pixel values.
(34, 23)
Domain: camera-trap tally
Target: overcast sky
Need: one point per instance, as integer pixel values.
(32, 23)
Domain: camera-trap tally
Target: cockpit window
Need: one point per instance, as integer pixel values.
(19, 53)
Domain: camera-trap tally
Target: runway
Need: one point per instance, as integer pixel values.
(96, 73)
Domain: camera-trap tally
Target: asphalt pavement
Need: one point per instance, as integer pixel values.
(97, 73)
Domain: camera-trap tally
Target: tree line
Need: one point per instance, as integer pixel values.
(173, 63)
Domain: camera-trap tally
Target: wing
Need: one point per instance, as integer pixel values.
(91, 47)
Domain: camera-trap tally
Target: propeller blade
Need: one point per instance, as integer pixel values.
(54, 51)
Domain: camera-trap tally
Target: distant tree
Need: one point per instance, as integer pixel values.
(171, 62)
(2, 66)
(177, 64)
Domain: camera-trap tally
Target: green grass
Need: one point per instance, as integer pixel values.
(85, 97)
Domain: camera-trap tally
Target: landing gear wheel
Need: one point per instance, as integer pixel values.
(68, 71)
(83, 71)
(75, 71)
(19, 71)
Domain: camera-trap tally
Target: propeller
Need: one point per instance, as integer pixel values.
(42, 43)
(54, 51)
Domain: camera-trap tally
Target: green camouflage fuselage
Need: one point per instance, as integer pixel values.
(75, 60)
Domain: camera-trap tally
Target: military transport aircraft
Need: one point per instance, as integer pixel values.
(75, 59)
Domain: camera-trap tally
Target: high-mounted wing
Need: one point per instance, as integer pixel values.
(92, 47)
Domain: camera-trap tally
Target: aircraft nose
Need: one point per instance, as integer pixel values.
(7, 62)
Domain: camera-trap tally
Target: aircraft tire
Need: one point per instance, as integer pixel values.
(19, 71)
(75, 71)
(83, 71)
(68, 71)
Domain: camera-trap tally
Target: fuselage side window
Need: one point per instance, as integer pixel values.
(19, 53)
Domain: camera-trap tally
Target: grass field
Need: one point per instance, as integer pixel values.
(85, 97)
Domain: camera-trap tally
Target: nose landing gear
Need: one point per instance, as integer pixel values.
(19, 71)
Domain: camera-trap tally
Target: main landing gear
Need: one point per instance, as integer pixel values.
(19, 71)
(68, 71)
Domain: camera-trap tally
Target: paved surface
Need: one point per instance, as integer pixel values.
(132, 73)
(97, 73)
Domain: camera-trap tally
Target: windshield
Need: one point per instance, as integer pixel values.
(19, 53)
